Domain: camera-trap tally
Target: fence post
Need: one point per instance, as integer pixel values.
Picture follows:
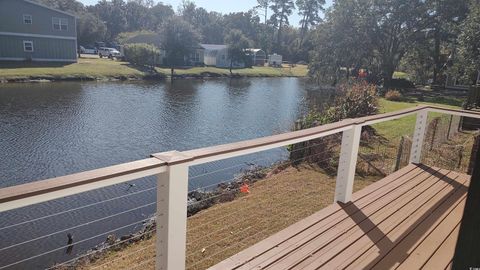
(418, 136)
(347, 164)
(399, 154)
(172, 192)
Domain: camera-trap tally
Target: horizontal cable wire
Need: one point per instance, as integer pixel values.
(250, 216)
(231, 179)
(153, 230)
(142, 191)
(247, 238)
(236, 189)
(123, 256)
(104, 248)
(78, 242)
(78, 208)
(78, 226)
(285, 203)
(255, 160)
(235, 213)
(123, 196)
(227, 168)
(244, 229)
(143, 264)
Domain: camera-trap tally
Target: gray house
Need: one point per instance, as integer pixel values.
(33, 32)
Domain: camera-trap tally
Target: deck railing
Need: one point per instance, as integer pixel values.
(171, 169)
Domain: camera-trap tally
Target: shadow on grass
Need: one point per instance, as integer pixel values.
(446, 100)
(25, 64)
(438, 97)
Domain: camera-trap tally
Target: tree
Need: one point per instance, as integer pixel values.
(159, 13)
(137, 15)
(309, 11)
(467, 61)
(282, 9)
(263, 4)
(376, 34)
(113, 14)
(264, 40)
(179, 39)
(237, 47)
(444, 15)
(90, 28)
(341, 41)
(247, 22)
(71, 6)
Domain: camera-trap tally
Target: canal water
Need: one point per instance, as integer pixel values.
(55, 129)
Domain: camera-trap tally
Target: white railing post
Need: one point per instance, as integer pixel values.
(347, 164)
(418, 136)
(172, 192)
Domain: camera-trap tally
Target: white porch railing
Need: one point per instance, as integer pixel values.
(171, 169)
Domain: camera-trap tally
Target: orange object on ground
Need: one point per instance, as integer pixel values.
(244, 188)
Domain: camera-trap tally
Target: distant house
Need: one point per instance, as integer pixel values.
(33, 32)
(217, 56)
(195, 58)
(259, 57)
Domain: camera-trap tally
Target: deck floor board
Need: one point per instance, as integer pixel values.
(408, 219)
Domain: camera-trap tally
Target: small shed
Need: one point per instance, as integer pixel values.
(259, 57)
(216, 55)
(275, 60)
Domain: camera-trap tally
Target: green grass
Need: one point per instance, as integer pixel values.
(93, 68)
(394, 129)
(297, 71)
(400, 75)
(85, 68)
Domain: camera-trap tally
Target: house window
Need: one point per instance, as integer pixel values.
(28, 46)
(60, 24)
(27, 19)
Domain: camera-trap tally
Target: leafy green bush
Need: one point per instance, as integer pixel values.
(393, 95)
(352, 101)
(141, 54)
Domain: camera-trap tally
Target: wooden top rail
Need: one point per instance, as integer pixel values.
(41, 191)
(54, 188)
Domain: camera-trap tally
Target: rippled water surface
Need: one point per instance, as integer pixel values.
(54, 129)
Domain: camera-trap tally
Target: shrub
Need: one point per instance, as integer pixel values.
(141, 54)
(352, 101)
(393, 95)
(356, 100)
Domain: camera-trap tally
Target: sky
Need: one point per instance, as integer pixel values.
(222, 6)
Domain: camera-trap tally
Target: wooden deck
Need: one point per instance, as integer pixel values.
(408, 220)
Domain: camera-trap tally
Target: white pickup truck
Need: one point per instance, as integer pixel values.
(108, 52)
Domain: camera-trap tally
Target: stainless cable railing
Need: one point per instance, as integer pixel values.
(173, 182)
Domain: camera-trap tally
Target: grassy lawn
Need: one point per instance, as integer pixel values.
(94, 68)
(85, 68)
(297, 71)
(396, 128)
